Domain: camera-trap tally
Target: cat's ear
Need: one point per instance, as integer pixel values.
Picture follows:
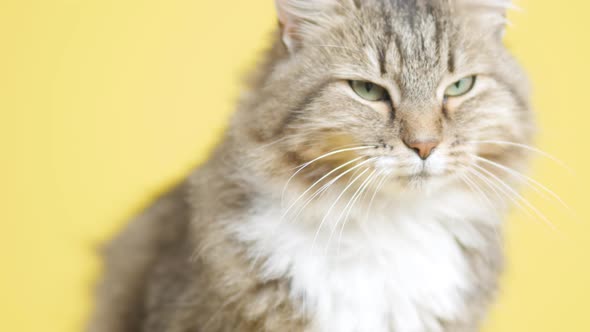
(488, 14)
(299, 18)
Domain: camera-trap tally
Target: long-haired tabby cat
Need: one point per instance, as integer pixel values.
(359, 187)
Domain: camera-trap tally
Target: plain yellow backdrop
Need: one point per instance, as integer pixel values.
(105, 103)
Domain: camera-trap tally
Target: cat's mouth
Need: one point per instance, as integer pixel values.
(422, 175)
(413, 170)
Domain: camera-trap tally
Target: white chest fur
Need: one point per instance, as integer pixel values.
(403, 271)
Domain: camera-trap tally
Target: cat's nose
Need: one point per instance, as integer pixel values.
(423, 148)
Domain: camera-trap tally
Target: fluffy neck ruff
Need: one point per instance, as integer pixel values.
(403, 267)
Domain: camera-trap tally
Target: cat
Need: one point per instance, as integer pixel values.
(358, 188)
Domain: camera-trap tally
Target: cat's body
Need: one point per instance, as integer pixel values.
(395, 243)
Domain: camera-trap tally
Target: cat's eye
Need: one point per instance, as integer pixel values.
(461, 87)
(369, 91)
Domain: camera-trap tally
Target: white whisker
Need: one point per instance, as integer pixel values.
(516, 194)
(500, 192)
(476, 189)
(317, 182)
(334, 204)
(302, 167)
(326, 186)
(526, 178)
(482, 193)
(348, 208)
(380, 184)
(493, 186)
(346, 220)
(529, 148)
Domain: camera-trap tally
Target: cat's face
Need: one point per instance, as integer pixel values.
(411, 91)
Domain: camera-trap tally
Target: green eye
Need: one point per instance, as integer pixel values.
(460, 87)
(369, 91)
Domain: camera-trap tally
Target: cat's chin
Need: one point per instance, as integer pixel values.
(421, 183)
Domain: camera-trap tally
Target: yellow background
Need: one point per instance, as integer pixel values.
(104, 103)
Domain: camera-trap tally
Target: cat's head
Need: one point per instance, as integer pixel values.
(415, 90)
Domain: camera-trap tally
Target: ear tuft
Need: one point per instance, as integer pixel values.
(299, 17)
(490, 14)
(487, 5)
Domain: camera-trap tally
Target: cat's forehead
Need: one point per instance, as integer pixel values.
(408, 41)
(413, 14)
(416, 34)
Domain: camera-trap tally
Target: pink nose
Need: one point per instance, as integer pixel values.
(423, 148)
